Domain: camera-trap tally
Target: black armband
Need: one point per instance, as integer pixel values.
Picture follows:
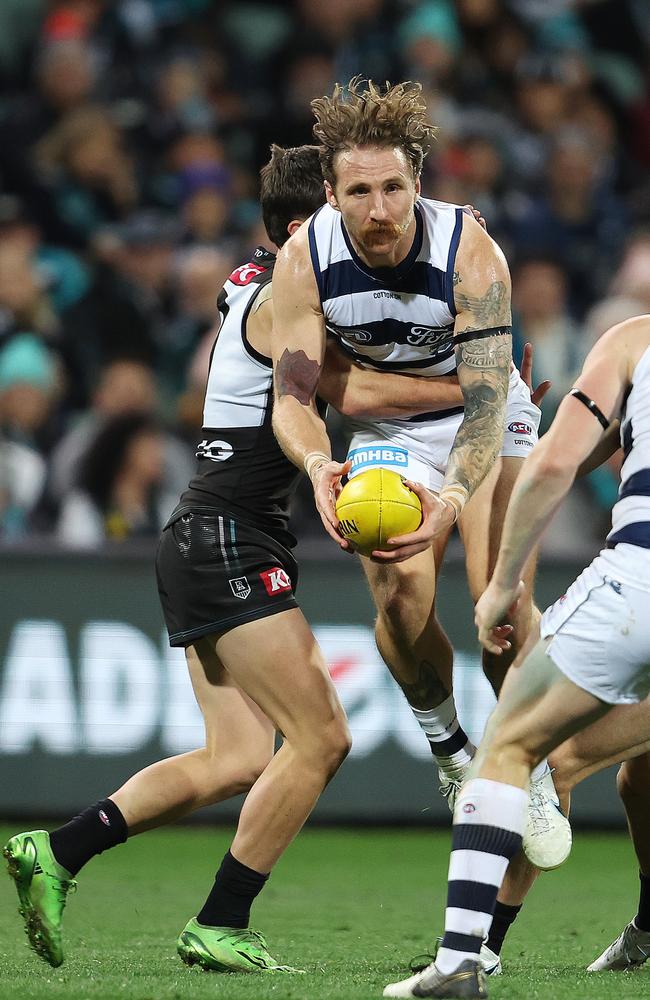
(589, 403)
(492, 331)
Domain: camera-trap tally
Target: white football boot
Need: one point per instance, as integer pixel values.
(547, 837)
(489, 960)
(467, 981)
(450, 787)
(629, 951)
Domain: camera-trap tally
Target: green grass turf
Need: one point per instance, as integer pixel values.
(349, 906)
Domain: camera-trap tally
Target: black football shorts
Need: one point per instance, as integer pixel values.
(215, 573)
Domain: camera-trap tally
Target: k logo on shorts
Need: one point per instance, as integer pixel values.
(276, 581)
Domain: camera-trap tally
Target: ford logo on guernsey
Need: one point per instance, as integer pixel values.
(517, 427)
(361, 458)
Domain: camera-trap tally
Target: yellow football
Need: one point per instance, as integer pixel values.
(374, 506)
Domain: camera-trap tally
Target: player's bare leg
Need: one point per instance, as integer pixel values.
(623, 734)
(239, 743)
(547, 840)
(283, 670)
(480, 526)
(538, 709)
(418, 654)
(278, 663)
(631, 949)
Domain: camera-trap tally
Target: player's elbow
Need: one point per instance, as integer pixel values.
(551, 465)
(556, 470)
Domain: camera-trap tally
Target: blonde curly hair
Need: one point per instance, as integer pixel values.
(373, 116)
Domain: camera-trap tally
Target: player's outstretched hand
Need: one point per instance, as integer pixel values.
(326, 481)
(493, 607)
(526, 372)
(437, 516)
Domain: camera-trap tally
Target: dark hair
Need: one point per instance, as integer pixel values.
(291, 188)
(392, 116)
(103, 460)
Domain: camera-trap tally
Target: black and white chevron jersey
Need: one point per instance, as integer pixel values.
(241, 467)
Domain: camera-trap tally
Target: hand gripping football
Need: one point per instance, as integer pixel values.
(374, 506)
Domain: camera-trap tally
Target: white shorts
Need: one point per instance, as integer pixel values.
(600, 628)
(419, 450)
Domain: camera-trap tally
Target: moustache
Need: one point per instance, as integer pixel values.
(377, 231)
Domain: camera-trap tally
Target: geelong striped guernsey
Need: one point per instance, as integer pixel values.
(392, 319)
(241, 467)
(631, 512)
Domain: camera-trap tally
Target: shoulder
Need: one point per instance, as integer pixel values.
(294, 261)
(626, 342)
(478, 246)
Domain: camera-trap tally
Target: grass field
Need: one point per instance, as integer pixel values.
(349, 906)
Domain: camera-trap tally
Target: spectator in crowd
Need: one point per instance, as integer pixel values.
(131, 134)
(90, 176)
(24, 302)
(633, 276)
(206, 203)
(199, 276)
(576, 219)
(541, 317)
(126, 387)
(28, 389)
(118, 495)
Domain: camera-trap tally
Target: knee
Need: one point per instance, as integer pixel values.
(504, 746)
(335, 745)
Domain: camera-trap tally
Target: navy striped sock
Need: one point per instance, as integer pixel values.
(489, 822)
(450, 744)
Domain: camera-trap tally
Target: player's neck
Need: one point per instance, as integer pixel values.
(397, 254)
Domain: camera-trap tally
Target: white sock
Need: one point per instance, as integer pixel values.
(449, 742)
(489, 821)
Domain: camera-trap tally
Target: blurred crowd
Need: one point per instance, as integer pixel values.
(131, 135)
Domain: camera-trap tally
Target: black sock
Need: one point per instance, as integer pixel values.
(94, 830)
(504, 917)
(642, 919)
(230, 900)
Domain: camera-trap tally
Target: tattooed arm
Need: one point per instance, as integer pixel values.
(297, 348)
(483, 358)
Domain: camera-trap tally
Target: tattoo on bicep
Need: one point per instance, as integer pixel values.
(456, 278)
(297, 375)
(488, 309)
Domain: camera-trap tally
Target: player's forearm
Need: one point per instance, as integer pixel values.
(484, 373)
(403, 396)
(358, 392)
(538, 492)
(299, 430)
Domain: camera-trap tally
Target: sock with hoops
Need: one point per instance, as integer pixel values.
(642, 919)
(489, 821)
(96, 829)
(232, 895)
(503, 919)
(450, 744)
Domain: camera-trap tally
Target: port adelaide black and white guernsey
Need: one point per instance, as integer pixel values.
(241, 467)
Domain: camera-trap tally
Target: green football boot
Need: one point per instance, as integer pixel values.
(43, 886)
(226, 949)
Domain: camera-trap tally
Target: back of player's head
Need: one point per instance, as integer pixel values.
(291, 189)
(373, 116)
